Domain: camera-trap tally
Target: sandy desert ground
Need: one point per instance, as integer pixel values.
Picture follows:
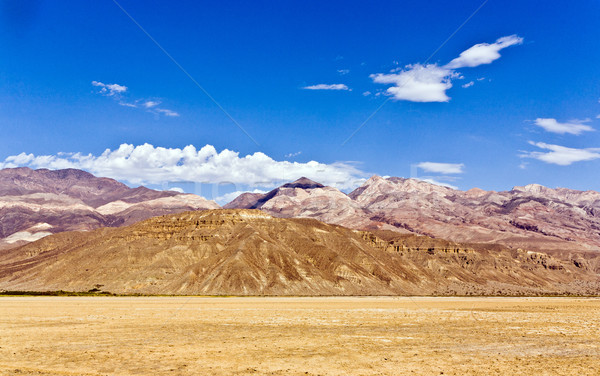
(298, 336)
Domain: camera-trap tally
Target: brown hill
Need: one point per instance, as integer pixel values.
(36, 203)
(248, 252)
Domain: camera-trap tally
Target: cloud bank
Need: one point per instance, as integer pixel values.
(429, 82)
(147, 164)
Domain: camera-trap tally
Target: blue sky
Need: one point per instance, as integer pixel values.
(81, 85)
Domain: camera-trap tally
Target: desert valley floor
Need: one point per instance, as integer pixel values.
(299, 336)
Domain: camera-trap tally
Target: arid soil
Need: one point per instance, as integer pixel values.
(299, 336)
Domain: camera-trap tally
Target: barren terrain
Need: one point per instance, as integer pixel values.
(298, 336)
(249, 252)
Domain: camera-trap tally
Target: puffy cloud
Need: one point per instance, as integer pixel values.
(575, 127)
(442, 168)
(147, 164)
(429, 82)
(561, 155)
(327, 87)
(483, 53)
(110, 89)
(468, 84)
(418, 83)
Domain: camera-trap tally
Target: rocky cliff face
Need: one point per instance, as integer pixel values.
(36, 203)
(532, 217)
(249, 252)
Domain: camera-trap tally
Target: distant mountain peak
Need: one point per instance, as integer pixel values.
(303, 183)
(532, 188)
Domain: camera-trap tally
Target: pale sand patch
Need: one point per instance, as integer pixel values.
(298, 336)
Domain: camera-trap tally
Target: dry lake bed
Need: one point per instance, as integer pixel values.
(299, 336)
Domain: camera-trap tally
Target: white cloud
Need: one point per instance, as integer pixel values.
(429, 83)
(468, 84)
(442, 168)
(367, 93)
(165, 112)
(150, 104)
(147, 164)
(561, 155)
(228, 197)
(418, 83)
(327, 87)
(115, 91)
(575, 127)
(343, 71)
(291, 155)
(176, 189)
(483, 53)
(110, 89)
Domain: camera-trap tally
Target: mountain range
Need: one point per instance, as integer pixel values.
(249, 252)
(70, 230)
(531, 217)
(37, 203)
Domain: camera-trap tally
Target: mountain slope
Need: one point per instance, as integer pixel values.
(305, 198)
(532, 217)
(248, 252)
(36, 203)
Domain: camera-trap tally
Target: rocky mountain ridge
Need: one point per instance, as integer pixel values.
(36, 203)
(249, 252)
(532, 217)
